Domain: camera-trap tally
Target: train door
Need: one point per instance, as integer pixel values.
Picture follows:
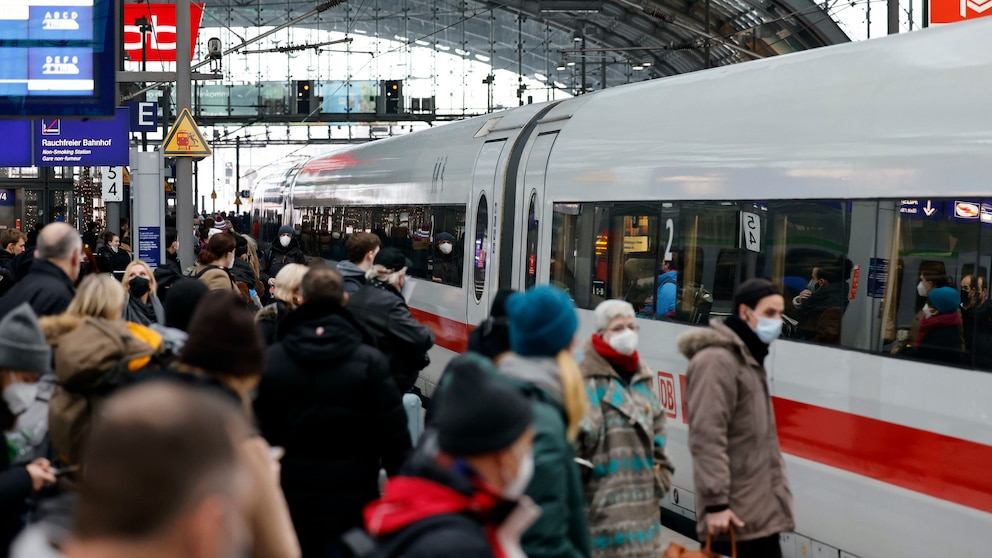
(482, 236)
(532, 267)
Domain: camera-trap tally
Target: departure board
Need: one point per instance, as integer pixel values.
(57, 57)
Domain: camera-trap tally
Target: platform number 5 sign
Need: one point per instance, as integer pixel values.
(751, 231)
(113, 183)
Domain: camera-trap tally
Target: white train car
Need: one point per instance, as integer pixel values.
(877, 153)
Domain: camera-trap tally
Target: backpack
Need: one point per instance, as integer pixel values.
(360, 544)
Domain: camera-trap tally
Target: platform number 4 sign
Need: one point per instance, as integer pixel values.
(751, 231)
(113, 183)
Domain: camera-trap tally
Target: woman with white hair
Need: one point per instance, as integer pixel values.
(287, 298)
(623, 436)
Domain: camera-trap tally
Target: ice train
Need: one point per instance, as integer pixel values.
(876, 153)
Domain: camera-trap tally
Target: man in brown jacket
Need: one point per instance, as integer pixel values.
(738, 469)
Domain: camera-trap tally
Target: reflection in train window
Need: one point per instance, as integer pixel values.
(936, 303)
(431, 236)
(570, 244)
(530, 263)
(480, 247)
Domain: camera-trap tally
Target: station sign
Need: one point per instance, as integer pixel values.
(185, 139)
(159, 43)
(82, 143)
(952, 11)
(16, 151)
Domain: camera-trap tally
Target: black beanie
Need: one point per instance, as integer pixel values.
(223, 337)
(751, 291)
(181, 301)
(479, 413)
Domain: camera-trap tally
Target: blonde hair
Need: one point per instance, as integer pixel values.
(126, 280)
(574, 396)
(288, 282)
(382, 274)
(98, 296)
(253, 256)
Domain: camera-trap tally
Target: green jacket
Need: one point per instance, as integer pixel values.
(561, 531)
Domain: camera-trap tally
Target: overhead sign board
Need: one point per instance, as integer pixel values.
(54, 57)
(82, 143)
(144, 116)
(16, 151)
(185, 139)
(952, 11)
(159, 43)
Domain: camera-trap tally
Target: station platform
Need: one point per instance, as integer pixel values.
(669, 536)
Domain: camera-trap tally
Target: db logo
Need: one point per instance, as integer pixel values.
(666, 394)
(160, 41)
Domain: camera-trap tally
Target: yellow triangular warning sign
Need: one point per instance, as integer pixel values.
(185, 139)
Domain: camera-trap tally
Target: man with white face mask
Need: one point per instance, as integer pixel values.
(461, 493)
(284, 250)
(739, 474)
(447, 261)
(623, 438)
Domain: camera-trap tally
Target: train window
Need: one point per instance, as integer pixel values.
(431, 236)
(571, 242)
(530, 264)
(480, 247)
(938, 244)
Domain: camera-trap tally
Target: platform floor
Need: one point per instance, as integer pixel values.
(669, 536)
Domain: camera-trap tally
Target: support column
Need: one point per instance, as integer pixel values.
(184, 165)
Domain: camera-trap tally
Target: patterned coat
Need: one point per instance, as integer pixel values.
(623, 436)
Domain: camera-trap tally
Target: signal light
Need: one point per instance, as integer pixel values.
(304, 97)
(392, 92)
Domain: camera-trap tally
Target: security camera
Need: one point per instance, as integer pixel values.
(214, 48)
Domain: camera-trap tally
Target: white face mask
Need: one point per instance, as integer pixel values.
(444, 248)
(768, 329)
(516, 486)
(285, 240)
(624, 342)
(19, 395)
(921, 288)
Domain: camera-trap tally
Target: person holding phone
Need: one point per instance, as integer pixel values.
(24, 357)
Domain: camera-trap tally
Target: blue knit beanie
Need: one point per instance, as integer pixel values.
(945, 299)
(542, 321)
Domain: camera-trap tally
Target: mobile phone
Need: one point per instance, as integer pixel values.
(62, 471)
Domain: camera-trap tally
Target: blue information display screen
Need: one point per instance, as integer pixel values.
(57, 57)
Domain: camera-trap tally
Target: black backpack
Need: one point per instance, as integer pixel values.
(360, 544)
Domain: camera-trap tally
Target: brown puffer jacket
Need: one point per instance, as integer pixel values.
(736, 459)
(88, 352)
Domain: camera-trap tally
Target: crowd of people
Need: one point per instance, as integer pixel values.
(250, 404)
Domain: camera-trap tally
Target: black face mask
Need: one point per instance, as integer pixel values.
(139, 287)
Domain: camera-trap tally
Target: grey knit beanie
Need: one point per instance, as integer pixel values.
(22, 343)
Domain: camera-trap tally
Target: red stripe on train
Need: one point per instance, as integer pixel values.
(449, 334)
(927, 462)
(947, 468)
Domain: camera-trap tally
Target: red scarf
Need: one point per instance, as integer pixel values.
(627, 363)
(936, 322)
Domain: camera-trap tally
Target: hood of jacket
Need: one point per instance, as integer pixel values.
(540, 372)
(319, 333)
(717, 335)
(426, 489)
(96, 346)
(54, 327)
(348, 269)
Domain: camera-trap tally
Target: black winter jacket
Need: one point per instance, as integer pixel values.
(167, 274)
(327, 398)
(46, 288)
(382, 310)
(276, 257)
(118, 259)
(15, 487)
